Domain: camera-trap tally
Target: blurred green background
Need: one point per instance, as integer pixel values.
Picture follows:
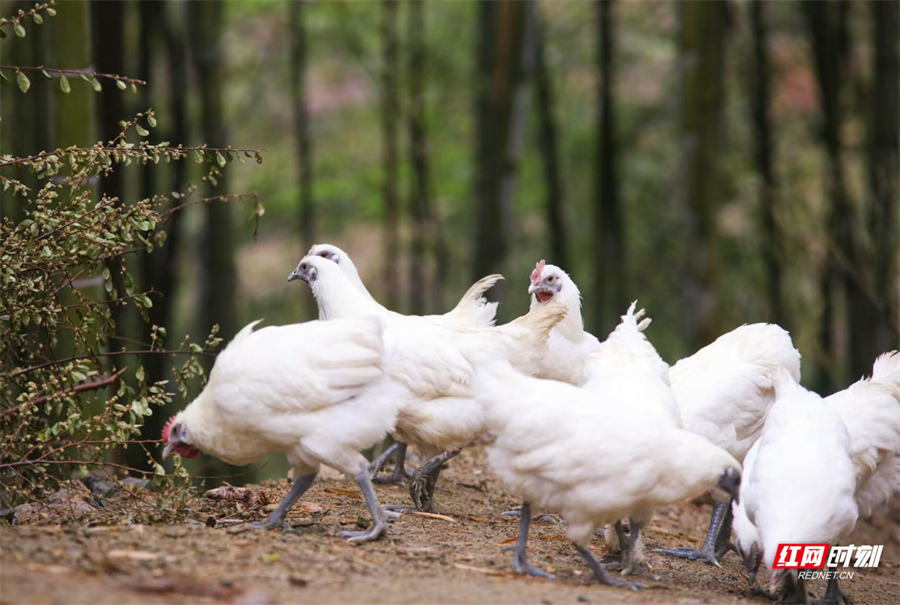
(723, 162)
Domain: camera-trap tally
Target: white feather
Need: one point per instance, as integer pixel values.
(726, 389)
(801, 486)
(559, 450)
(314, 391)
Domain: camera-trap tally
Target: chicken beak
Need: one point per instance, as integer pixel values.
(533, 288)
(167, 451)
(294, 275)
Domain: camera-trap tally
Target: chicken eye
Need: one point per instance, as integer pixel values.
(323, 254)
(550, 279)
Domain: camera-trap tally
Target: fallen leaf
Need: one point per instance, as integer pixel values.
(431, 516)
(343, 492)
(310, 507)
(480, 519)
(134, 555)
(484, 570)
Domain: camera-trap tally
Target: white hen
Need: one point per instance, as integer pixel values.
(569, 343)
(723, 391)
(801, 486)
(472, 310)
(315, 392)
(559, 450)
(437, 367)
(629, 366)
(870, 411)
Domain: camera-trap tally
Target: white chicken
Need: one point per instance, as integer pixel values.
(870, 411)
(315, 392)
(629, 366)
(560, 451)
(723, 391)
(437, 367)
(800, 487)
(569, 343)
(471, 311)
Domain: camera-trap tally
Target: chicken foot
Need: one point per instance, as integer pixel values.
(421, 486)
(833, 594)
(632, 550)
(276, 519)
(520, 558)
(793, 590)
(601, 573)
(717, 541)
(379, 517)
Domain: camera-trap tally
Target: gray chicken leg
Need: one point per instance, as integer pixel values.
(717, 541)
(397, 450)
(520, 558)
(276, 519)
(601, 573)
(379, 518)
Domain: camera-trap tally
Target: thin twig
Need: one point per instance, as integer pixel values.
(68, 151)
(76, 72)
(108, 354)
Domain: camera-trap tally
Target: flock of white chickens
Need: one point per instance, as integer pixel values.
(596, 431)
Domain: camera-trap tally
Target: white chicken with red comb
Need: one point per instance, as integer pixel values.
(315, 392)
(724, 391)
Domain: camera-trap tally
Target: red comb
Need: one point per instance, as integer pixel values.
(536, 274)
(165, 433)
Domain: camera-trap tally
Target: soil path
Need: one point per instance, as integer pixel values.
(421, 560)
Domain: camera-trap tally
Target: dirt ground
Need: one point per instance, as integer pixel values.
(96, 559)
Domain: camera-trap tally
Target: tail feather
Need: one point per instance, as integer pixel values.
(245, 332)
(475, 310)
(886, 369)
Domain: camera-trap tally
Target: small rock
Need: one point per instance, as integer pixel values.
(297, 581)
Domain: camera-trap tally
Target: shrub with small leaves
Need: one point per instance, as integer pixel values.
(66, 398)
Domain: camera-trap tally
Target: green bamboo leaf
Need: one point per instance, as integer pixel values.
(152, 121)
(20, 31)
(23, 81)
(64, 84)
(121, 85)
(198, 156)
(37, 18)
(133, 87)
(96, 84)
(140, 130)
(220, 160)
(46, 75)
(51, 11)
(84, 77)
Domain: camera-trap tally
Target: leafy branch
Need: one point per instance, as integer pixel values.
(87, 75)
(34, 14)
